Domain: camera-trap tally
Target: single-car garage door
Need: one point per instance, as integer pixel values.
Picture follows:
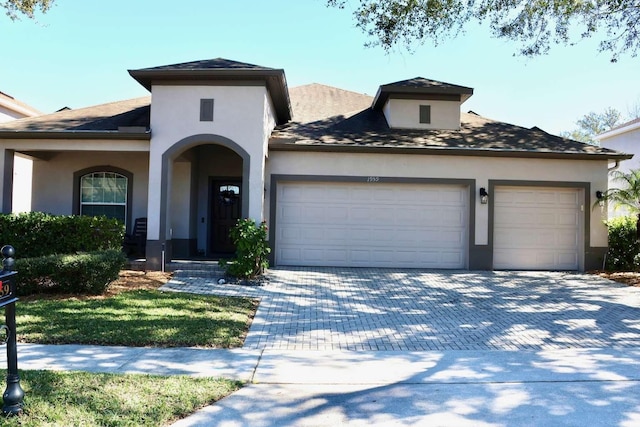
(537, 228)
(371, 225)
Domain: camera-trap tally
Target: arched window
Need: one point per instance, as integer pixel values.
(104, 193)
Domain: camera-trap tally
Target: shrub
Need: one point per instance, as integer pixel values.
(623, 245)
(36, 234)
(251, 250)
(85, 273)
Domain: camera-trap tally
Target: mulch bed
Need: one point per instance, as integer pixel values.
(627, 277)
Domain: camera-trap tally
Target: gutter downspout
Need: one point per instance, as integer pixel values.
(614, 167)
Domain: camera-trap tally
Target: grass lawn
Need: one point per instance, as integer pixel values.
(136, 318)
(131, 313)
(84, 399)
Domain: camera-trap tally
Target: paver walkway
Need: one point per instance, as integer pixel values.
(415, 310)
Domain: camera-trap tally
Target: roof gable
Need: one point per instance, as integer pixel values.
(208, 64)
(420, 88)
(221, 70)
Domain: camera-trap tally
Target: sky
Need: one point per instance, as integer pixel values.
(77, 55)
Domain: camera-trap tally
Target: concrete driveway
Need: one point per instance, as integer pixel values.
(415, 310)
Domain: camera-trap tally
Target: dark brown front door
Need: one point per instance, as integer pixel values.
(226, 209)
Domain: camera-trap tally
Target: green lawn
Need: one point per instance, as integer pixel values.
(137, 318)
(85, 399)
(132, 318)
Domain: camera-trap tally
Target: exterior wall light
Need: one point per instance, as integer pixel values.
(599, 195)
(484, 196)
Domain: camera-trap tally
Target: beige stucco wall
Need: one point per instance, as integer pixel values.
(405, 113)
(180, 200)
(53, 185)
(242, 114)
(480, 169)
(94, 148)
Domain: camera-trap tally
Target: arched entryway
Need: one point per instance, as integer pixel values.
(204, 191)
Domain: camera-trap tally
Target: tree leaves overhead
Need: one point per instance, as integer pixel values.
(534, 25)
(15, 8)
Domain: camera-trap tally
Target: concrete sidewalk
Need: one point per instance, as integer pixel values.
(596, 387)
(233, 364)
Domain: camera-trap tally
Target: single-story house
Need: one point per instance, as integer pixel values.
(401, 179)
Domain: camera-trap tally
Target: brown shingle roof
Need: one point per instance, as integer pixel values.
(208, 64)
(316, 101)
(342, 128)
(104, 117)
(329, 118)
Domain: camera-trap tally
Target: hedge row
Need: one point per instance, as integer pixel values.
(36, 234)
(86, 273)
(624, 248)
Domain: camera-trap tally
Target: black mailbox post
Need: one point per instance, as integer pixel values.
(13, 395)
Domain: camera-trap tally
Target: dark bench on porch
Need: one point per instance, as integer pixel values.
(135, 243)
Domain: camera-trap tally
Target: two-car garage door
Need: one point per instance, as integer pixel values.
(372, 224)
(424, 226)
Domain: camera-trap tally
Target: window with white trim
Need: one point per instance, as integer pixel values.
(104, 193)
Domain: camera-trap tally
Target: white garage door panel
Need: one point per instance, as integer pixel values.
(385, 225)
(537, 228)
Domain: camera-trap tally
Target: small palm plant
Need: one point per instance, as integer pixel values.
(627, 194)
(624, 232)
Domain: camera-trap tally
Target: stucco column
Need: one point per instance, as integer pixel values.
(6, 180)
(256, 188)
(154, 198)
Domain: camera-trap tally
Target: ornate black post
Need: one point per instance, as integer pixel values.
(13, 395)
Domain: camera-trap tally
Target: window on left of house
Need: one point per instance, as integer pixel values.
(104, 193)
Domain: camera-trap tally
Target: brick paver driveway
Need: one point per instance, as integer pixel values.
(388, 309)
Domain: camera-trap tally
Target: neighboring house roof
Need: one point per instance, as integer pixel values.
(128, 118)
(419, 86)
(367, 130)
(19, 107)
(620, 129)
(221, 69)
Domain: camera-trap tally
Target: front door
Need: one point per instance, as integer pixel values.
(226, 209)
